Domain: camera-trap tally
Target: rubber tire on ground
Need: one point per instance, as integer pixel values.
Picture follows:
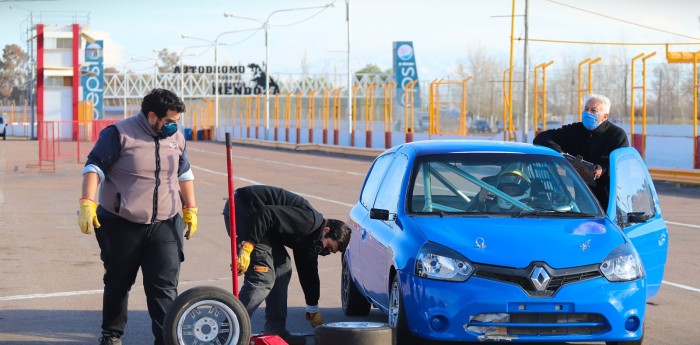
(353, 302)
(208, 297)
(353, 333)
(398, 322)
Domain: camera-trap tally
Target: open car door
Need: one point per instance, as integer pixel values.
(634, 207)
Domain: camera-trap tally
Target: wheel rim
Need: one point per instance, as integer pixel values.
(208, 322)
(394, 304)
(345, 287)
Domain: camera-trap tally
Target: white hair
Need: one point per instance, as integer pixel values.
(604, 101)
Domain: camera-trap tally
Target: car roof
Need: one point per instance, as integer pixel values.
(455, 146)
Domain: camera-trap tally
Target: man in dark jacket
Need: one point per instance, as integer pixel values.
(594, 138)
(268, 219)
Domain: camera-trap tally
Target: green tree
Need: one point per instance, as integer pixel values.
(374, 71)
(13, 76)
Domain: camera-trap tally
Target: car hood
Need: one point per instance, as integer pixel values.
(516, 242)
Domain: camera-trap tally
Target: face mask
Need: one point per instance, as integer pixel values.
(590, 121)
(168, 129)
(320, 250)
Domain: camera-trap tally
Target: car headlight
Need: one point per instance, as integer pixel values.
(622, 264)
(437, 262)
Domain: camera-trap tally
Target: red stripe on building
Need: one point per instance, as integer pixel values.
(76, 77)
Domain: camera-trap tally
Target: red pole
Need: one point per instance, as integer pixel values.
(231, 214)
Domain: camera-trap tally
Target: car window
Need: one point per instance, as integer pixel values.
(390, 189)
(633, 192)
(374, 179)
(500, 183)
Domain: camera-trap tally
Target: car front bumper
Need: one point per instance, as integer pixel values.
(486, 310)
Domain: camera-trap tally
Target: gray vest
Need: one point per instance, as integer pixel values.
(129, 189)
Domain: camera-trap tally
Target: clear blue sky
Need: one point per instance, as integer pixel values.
(443, 31)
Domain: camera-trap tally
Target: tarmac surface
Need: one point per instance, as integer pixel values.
(51, 273)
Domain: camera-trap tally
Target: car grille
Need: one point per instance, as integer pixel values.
(526, 277)
(538, 324)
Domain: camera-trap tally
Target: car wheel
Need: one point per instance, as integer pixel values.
(397, 316)
(354, 303)
(352, 333)
(206, 314)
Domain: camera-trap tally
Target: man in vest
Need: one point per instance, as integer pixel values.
(145, 179)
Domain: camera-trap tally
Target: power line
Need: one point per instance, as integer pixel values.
(624, 21)
(607, 43)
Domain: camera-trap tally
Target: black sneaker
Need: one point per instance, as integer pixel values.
(109, 340)
(292, 339)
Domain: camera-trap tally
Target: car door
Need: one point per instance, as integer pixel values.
(378, 252)
(634, 206)
(359, 216)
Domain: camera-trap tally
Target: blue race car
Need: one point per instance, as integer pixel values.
(498, 241)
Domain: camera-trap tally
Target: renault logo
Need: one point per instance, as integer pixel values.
(540, 279)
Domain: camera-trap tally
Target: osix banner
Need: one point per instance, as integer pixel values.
(92, 77)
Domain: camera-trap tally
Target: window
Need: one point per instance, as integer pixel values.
(374, 179)
(390, 189)
(633, 191)
(57, 81)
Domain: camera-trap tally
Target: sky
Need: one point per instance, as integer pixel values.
(443, 32)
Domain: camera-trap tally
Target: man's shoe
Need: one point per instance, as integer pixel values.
(292, 339)
(109, 340)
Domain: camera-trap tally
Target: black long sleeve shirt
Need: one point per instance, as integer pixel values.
(281, 216)
(594, 146)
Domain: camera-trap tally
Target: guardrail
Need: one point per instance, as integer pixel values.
(677, 175)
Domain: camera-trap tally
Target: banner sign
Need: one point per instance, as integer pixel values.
(231, 79)
(406, 71)
(92, 77)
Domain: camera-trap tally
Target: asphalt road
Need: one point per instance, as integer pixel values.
(51, 274)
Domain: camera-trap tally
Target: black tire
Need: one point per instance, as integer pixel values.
(397, 316)
(205, 313)
(354, 303)
(353, 333)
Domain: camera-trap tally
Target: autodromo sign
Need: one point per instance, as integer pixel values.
(234, 79)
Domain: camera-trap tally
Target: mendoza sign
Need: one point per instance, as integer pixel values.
(92, 78)
(406, 71)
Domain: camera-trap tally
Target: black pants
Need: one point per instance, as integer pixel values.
(126, 246)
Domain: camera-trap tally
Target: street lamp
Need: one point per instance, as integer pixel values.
(182, 75)
(215, 43)
(266, 26)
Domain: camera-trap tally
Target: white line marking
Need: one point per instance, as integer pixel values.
(684, 224)
(258, 183)
(686, 287)
(91, 292)
(281, 163)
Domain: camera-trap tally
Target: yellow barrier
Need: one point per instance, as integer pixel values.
(677, 175)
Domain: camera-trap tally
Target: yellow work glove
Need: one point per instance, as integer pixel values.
(244, 257)
(315, 319)
(189, 216)
(87, 217)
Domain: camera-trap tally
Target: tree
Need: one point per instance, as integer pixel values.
(168, 60)
(13, 77)
(374, 71)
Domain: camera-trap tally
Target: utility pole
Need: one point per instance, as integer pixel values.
(526, 72)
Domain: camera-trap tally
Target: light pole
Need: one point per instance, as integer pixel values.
(215, 43)
(182, 76)
(347, 17)
(30, 61)
(266, 26)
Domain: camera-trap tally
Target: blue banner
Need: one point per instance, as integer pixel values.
(92, 77)
(406, 71)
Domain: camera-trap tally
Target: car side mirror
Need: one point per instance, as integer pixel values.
(379, 214)
(638, 217)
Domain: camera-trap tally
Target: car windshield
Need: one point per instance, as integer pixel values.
(516, 185)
